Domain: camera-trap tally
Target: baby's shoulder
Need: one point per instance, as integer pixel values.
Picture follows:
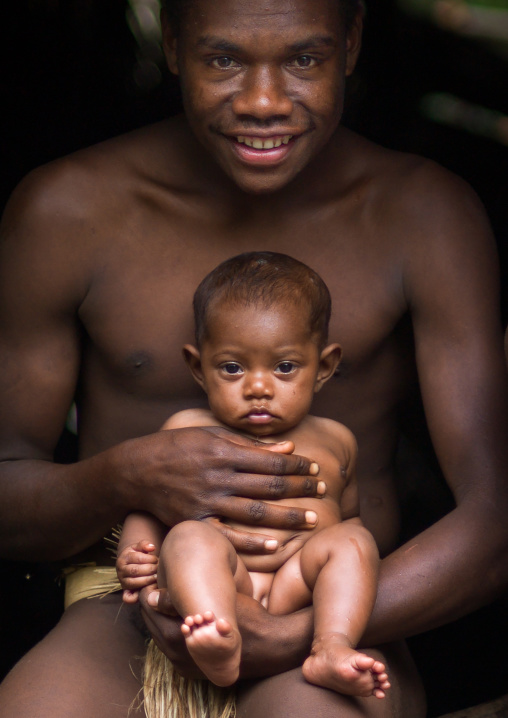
(337, 436)
(190, 417)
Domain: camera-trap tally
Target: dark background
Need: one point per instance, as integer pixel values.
(71, 77)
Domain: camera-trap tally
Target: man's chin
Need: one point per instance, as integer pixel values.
(258, 184)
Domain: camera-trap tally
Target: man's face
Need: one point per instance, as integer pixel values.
(260, 367)
(263, 83)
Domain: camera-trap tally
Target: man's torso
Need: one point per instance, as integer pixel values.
(147, 228)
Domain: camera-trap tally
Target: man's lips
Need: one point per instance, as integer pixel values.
(264, 143)
(262, 151)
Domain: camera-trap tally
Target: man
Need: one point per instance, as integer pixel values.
(100, 256)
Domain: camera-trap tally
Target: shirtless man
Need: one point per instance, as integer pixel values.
(101, 254)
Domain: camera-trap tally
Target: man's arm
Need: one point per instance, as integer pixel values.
(450, 281)
(48, 511)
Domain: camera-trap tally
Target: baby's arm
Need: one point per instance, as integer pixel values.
(138, 552)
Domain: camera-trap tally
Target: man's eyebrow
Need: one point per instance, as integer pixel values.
(217, 43)
(309, 43)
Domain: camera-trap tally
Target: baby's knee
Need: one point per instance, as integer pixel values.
(339, 539)
(190, 534)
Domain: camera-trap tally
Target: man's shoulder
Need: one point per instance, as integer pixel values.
(93, 195)
(404, 182)
(407, 205)
(87, 172)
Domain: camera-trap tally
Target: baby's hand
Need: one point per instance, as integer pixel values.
(136, 567)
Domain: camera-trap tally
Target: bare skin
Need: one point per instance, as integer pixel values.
(260, 367)
(101, 251)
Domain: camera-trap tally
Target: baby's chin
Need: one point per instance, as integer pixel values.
(253, 430)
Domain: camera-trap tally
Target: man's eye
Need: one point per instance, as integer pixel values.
(304, 61)
(286, 367)
(232, 368)
(223, 63)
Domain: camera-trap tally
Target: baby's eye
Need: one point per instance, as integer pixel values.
(286, 367)
(232, 368)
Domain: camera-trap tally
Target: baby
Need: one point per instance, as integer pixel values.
(262, 352)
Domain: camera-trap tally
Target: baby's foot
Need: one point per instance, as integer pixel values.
(335, 665)
(215, 646)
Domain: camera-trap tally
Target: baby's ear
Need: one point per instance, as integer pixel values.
(329, 360)
(193, 359)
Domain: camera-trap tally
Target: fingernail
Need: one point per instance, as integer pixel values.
(153, 599)
(271, 544)
(150, 545)
(314, 469)
(311, 517)
(321, 488)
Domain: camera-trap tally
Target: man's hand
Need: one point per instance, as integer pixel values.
(200, 473)
(270, 644)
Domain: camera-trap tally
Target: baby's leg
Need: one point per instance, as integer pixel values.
(340, 565)
(198, 566)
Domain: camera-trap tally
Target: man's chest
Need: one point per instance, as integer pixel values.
(138, 312)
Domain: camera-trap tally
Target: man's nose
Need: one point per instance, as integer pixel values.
(258, 386)
(263, 95)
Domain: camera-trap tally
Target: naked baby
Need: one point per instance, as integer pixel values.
(262, 352)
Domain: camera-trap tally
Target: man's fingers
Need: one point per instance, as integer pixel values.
(160, 600)
(165, 631)
(246, 542)
(259, 513)
(275, 487)
(259, 459)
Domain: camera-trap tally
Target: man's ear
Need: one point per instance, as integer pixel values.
(169, 43)
(193, 359)
(329, 360)
(354, 42)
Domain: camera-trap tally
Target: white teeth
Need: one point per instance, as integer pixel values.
(259, 144)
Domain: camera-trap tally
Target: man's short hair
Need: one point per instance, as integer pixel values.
(176, 9)
(264, 279)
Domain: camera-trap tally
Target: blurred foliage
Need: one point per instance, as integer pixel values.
(485, 20)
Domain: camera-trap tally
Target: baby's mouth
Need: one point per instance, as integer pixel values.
(259, 416)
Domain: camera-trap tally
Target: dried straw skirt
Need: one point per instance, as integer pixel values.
(166, 694)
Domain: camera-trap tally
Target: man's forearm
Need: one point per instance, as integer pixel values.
(273, 644)
(449, 570)
(51, 511)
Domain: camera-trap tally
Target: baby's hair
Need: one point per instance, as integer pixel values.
(263, 279)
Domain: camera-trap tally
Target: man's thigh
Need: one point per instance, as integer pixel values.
(289, 694)
(87, 666)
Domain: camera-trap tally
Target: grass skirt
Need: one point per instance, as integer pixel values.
(165, 694)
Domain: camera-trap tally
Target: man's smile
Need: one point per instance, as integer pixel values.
(260, 143)
(263, 150)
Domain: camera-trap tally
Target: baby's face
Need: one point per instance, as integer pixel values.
(260, 367)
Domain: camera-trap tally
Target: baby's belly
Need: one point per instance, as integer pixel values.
(290, 540)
